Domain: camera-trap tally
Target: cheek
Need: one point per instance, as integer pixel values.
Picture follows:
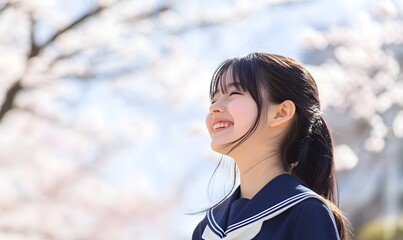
(245, 112)
(208, 123)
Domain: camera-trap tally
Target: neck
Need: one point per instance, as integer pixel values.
(256, 172)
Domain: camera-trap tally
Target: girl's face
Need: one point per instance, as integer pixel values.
(231, 115)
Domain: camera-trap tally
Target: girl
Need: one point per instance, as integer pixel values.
(265, 114)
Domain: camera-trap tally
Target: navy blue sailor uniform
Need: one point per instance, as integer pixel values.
(283, 209)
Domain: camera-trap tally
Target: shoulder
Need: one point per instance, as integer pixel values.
(312, 219)
(311, 210)
(311, 205)
(307, 220)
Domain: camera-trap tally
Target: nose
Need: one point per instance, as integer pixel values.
(216, 108)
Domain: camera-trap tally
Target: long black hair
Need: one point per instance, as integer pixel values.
(306, 151)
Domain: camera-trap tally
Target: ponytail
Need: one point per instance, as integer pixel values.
(314, 167)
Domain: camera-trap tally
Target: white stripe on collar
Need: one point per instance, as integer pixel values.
(278, 208)
(216, 228)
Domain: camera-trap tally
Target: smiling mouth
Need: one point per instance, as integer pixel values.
(221, 125)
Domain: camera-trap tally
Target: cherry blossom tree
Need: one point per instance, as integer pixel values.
(94, 120)
(68, 115)
(359, 69)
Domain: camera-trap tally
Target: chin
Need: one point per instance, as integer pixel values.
(220, 148)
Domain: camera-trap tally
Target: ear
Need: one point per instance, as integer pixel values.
(282, 113)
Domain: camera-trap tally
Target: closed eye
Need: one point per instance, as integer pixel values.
(235, 93)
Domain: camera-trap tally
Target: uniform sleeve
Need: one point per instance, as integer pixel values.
(314, 222)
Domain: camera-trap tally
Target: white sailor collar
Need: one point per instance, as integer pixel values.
(277, 196)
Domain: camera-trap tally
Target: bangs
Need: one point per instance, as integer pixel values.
(242, 76)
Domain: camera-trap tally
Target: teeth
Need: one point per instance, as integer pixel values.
(222, 125)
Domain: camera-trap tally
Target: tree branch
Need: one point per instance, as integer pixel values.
(207, 22)
(3, 8)
(9, 99)
(150, 14)
(35, 51)
(72, 25)
(64, 56)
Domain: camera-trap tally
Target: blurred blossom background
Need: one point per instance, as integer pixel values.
(103, 103)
